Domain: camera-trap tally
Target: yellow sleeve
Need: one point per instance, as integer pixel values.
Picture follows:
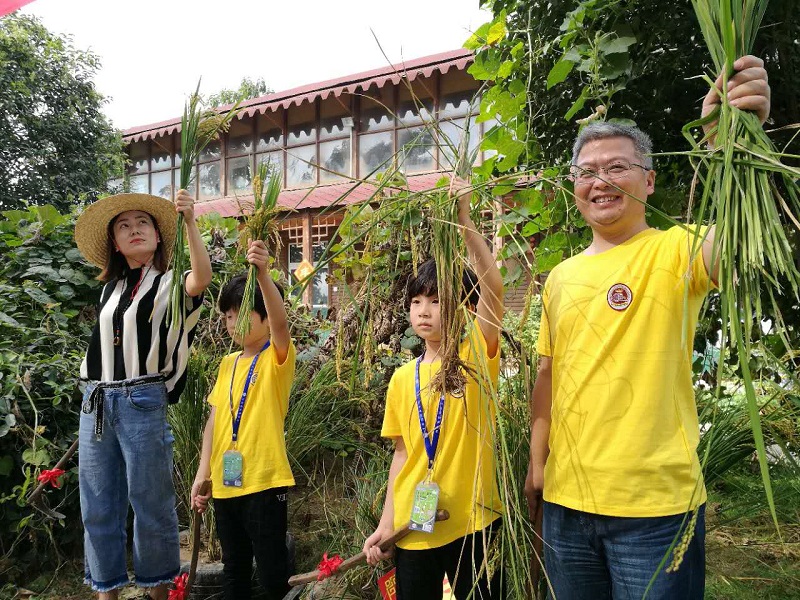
(283, 375)
(690, 257)
(476, 354)
(219, 393)
(391, 424)
(544, 343)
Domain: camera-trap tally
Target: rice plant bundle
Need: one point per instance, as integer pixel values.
(262, 224)
(199, 127)
(447, 249)
(745, 189)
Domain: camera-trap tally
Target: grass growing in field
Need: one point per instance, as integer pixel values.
(745, 558)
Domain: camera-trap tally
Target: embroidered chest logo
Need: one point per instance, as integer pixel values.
(619, 296)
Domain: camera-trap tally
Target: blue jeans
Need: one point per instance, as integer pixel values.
(596, 557)
(131, 463)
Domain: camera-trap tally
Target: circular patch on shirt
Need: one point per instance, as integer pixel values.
(619, 296)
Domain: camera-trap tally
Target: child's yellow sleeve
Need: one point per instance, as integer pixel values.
(391, 425)
(219, 392)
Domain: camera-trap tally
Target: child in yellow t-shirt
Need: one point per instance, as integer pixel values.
(244, 453)
(458, 454)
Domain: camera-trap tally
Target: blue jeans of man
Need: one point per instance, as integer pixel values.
(597, 557)
(130, 464)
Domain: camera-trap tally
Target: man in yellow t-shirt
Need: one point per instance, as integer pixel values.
(614, 425)
(446, 443)
(244, 452)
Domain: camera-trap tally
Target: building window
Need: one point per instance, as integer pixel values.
(208, 172)
(273, 159)
(176, 181)
(335, 128)
(160, 159)
(331, 122)
(302, 124)
(459, 104)
(414, 106)
(137, 169)
(138, 184)
(417, 149)
(301, 167)
(269, 139)
(239, 158)
(240, 138)
(375, 151)
(139, 153)
(240, 178)
(456, 137)
(377, 110)
(161, 184)
(335, 160)
(160, 165)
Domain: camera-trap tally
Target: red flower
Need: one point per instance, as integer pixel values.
(51, 476)
(328, 566)
(179, 593)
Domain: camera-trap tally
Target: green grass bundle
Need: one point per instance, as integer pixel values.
(447, 249)
(199, 127)
(262, 224)
(747, 191)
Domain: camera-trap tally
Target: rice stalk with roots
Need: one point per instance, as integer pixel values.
(261, 224)
(751, 196)
(448, 251)
(199, 127)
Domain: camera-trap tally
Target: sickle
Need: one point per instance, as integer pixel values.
(196, 521)
(35, 499)
(441, 515)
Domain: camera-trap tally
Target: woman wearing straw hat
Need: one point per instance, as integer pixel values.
(135, 366)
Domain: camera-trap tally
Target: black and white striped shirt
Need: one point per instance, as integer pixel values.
(150, 345)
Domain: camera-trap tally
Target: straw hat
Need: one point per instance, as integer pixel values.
(91, 230)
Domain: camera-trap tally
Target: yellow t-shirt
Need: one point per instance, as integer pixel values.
(464, 467)
(624, 430)
(261, 440)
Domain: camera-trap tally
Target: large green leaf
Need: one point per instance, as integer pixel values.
(616, 44)
(4, 318)
(559, 72)
(37, 457)
(40, 296)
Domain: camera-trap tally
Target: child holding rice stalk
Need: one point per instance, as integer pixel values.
(444, 445)
(244, 451)
(614, 423)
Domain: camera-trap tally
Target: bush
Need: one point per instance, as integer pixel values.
(47, 298)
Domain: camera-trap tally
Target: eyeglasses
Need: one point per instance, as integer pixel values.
(616, 170)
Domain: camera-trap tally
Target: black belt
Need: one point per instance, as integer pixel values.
(94, 402)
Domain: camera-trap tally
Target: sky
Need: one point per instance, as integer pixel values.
(154, 51)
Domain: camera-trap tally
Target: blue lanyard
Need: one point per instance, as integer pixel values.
(430, 445)
(236, 421)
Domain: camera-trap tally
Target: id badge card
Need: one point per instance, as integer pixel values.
(423, 511)
(232, 464)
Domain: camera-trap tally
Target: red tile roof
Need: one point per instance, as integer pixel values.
(425, 67)
(322, 196)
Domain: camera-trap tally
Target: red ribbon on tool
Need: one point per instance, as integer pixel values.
(179, 593)
(328, 566)
(51, 476)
